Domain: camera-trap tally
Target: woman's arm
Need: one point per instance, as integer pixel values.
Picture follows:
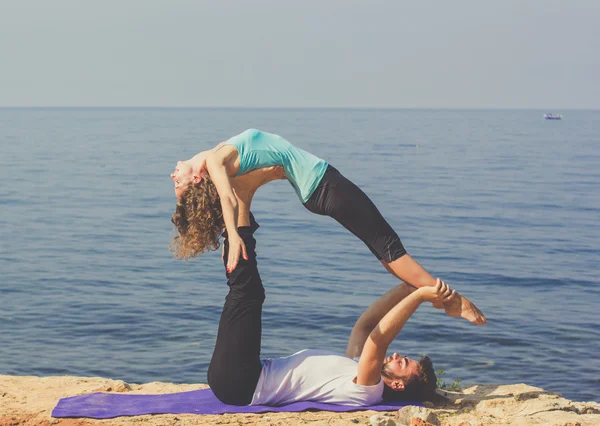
(198, 162)
(245, 186)
(220, 165)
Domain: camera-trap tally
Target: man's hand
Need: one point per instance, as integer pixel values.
(440, 293)
(236, 247)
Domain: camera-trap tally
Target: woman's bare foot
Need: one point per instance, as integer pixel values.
(462, 307)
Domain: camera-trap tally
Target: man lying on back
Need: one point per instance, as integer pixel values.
(364, 376)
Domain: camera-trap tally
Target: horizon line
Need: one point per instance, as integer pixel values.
(289, 107)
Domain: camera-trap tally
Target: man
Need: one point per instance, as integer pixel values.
(364, 376)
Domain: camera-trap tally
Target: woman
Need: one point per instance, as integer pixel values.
(207, 204)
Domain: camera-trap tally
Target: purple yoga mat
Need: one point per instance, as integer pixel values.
(108, 405)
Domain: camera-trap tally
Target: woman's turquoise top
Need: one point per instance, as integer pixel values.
(259, 149)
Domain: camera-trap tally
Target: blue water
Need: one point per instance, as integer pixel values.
(503, 205)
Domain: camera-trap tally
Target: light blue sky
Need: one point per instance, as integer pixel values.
(283, 53)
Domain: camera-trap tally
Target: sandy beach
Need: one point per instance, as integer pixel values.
(29, 400)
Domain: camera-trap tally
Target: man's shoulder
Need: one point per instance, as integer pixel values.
(309, 353)
(323, 352)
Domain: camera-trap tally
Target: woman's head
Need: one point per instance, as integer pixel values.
(182, 176)
(188, 172)
(198, 218)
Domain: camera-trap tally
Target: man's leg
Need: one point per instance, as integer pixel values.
(235, 366)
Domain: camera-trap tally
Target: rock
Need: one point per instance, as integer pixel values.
(121, 386)
(114, 386)
(29, 400)
(381, 420)
(406, 414)
(524, 396)
(420, 422)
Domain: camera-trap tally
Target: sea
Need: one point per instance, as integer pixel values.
(501, 204)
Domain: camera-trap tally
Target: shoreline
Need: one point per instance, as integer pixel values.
(29, 400)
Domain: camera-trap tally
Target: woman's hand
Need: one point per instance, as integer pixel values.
(236, 247)
(440, 293)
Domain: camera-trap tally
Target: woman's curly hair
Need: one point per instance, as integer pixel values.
(199, 221)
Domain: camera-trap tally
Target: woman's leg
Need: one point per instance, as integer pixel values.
(235, 366)
(341, 199)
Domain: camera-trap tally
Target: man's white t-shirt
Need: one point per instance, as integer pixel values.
(313, 375)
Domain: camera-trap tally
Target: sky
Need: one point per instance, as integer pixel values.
(301, 53)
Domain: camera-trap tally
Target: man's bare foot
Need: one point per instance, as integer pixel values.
(251, 181)
(246, 185)
(462, 307)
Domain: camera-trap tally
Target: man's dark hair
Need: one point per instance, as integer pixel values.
(417, 387)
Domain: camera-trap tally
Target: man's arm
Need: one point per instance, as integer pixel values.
(386, 330)
(371, 317)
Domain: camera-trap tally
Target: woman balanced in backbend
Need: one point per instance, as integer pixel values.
(207, 204)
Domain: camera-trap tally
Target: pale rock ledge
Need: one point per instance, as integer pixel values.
(28, 400)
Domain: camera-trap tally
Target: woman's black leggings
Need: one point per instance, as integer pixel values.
(235, 366)
(342, 200)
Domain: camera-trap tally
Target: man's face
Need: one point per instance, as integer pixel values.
(182, 176)
(401, 366)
